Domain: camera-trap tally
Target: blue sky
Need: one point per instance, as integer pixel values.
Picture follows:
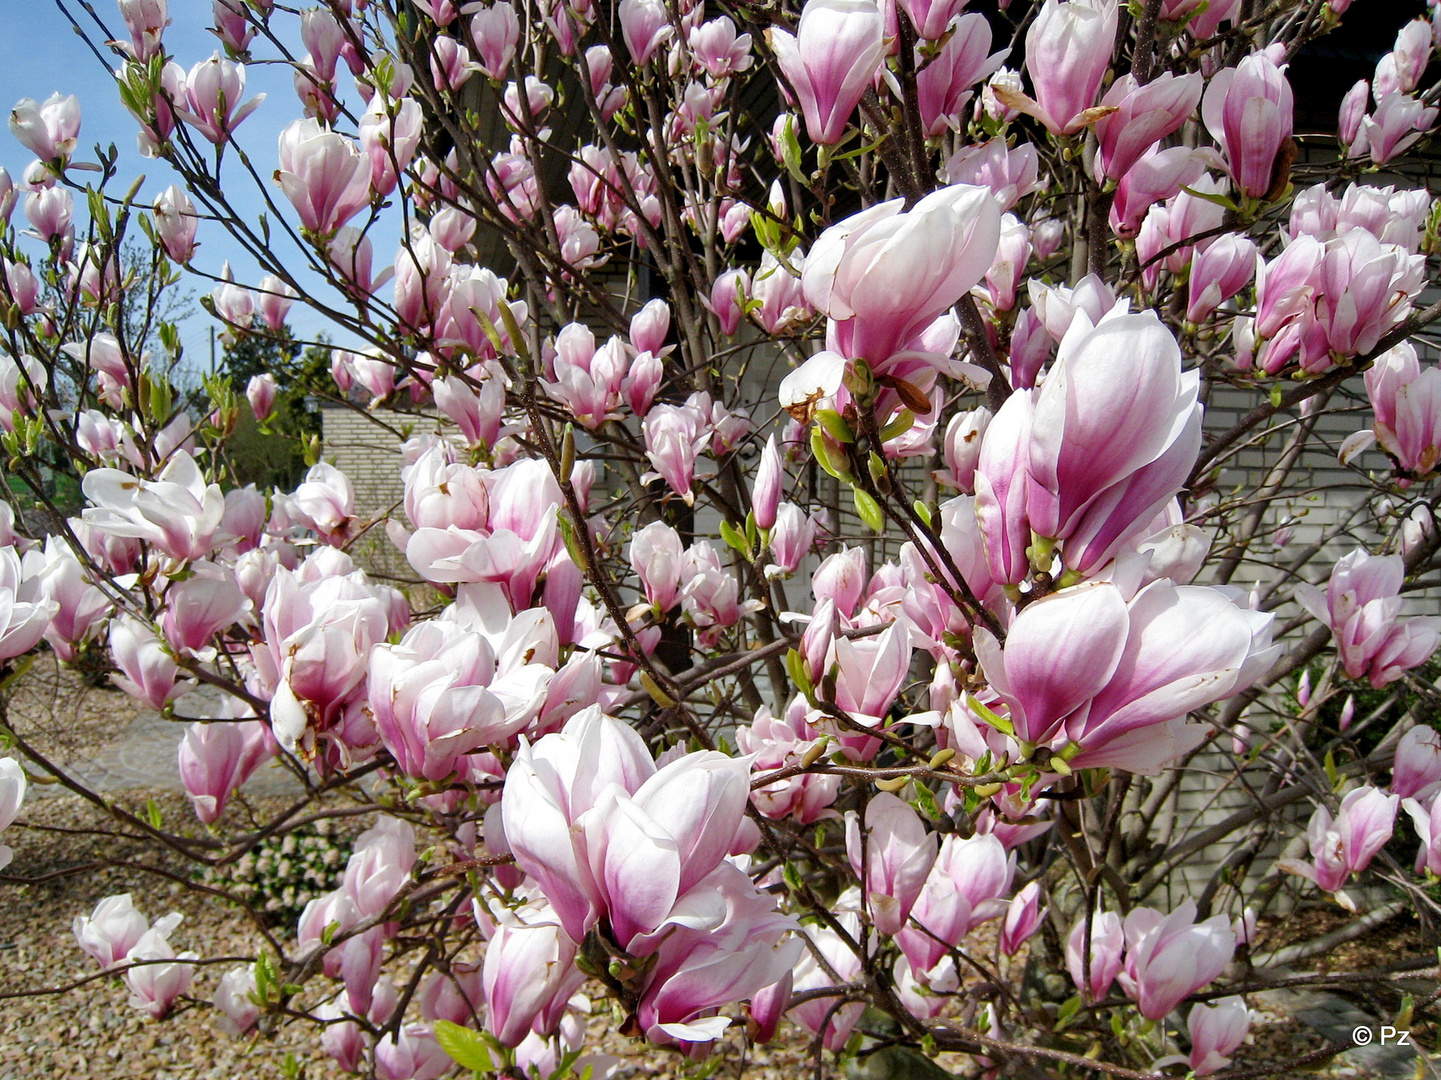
(40, 54)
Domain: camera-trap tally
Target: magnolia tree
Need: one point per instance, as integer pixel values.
(825, 579)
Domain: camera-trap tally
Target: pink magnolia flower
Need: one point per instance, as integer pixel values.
(1416, 772)
(792, 538)
(1218, 273)
(326, 501)
(177, 512)
(155, 984)
(1023, 917)
(657, 555)
(649, 327)
(769, 485)
(943, 86)
(323, 174)
(646, 850)
(1362, 606)
(961, 449)
(413, 1053)
(25, 609)
(885, 274)
(1094, 964)
(547, 790)
(1170, 957)
(725, 299)
(273, 300)
(1013, 251)
(589, 380)
(147, 671)
(440, 493)
(12, 795)
(213, 92)
(1428, 828)
(871, 670)
(718, 49)
(1092, 433)
(389, 134)
(674, 438)
(51, 214)
(145, 21)
(645, 26)
(1364, 290)
(742, 946)
(1118, 678)
(435, 696)
(1001, 483)
(175, 223)
(379, 865)
(216, 758)
(1144, 115)
(830, 60)
(495, 32)
(260, 392)
(232, 998)
(78, 605)
(1248, 111)
(318, 631)
(774, 743)
(114, 928)
(455, 995)
(780, 293)
(1201, 24)
(49, 131)
(1157, 175)
(965, 887)
(898, 854)
(1216, 1028)
(529, 974)
(1398, 123)
(1346, 844)
(201, 606)
(231, 25)
(1068, 49)
(477, 413)
(823, 1015)
(1010, 173)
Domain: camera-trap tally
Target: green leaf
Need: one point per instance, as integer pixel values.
(1000, 723)
(152, 814)
(868, 509)
(1210, 197)
(465, 1047)
(1069, 1008)
(927, 801)
(265, 978)
(835, 424)
(567, 533)
(899, 426)
(791, 148)
(796, 668)
(824, 458)
(735, 538)
(792, 877)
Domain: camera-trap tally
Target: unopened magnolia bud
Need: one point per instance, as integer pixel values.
(814, 754)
